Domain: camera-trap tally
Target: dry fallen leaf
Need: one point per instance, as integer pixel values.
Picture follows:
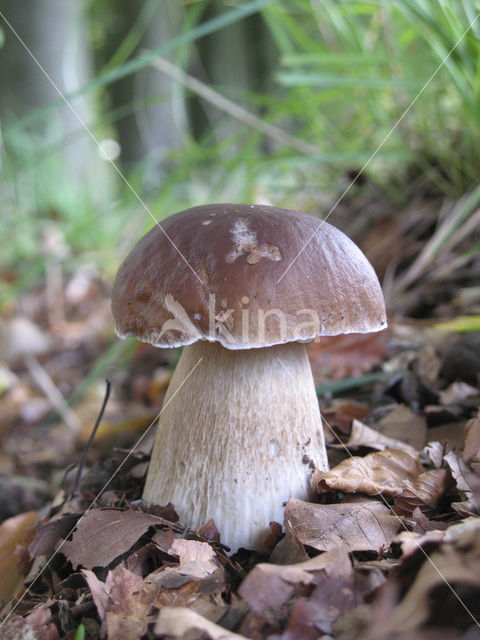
(339, 416)
(454, 566)
(402, 424)
(380, 472)
(268, 586)
(98, 591)
(17, 628)
(49, 534)
(181, 623)
(308, 619)
(12, 533)
(197, 559)
(429, 365)
(456, 393)
(114, 532)
(123, 602)
(471, 451)
(348, 354)
(41, 621)
(362, 435)
(451, 434)
(128, 605)
(410, 541)
(289, 550)
(423, 492)
(433, 453)
(359, 525)
(467, 481)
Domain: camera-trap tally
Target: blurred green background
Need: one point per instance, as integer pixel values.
(216, 100)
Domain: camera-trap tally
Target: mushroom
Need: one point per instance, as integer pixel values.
(242, 288)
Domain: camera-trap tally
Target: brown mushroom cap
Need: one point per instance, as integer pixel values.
(234, 288)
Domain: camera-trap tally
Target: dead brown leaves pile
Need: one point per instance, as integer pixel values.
(388, 547)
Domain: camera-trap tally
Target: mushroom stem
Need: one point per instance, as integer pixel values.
(239, 438)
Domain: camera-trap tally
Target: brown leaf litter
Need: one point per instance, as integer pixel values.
(387, 547)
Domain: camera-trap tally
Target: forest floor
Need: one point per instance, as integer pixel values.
(390, 548)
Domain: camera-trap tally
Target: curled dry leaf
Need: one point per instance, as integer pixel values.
(180, 622)
(359, 525)
(98, 591)
(114, 532)
(410, 541)
(362, 435)
(466, 481)
(454, 565)
(197, 559)
(50, 533)
(471, 451)
(424, 492)
(209, 531)
(163, 539)
(123, 602)
(380, 472)
(268, 586)
(433, 453)
(423, 524)
(197, 581)
(289, 550)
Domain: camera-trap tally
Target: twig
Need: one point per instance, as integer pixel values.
(81, 464)
(51, 391)
(230, 107)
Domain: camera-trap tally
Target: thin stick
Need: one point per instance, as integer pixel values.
(51, 391)
(232, 108)
(81, 464)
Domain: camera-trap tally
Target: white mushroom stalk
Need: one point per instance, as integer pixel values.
(237, 438)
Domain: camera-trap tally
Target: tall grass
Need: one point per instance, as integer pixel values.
(342, 73)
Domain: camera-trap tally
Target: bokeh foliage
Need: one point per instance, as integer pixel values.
(336, 75)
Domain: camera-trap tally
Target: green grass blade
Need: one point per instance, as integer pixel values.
(461, 324)
(327, 80)
(349, 383)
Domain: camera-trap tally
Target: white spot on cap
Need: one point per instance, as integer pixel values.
(246, 242)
